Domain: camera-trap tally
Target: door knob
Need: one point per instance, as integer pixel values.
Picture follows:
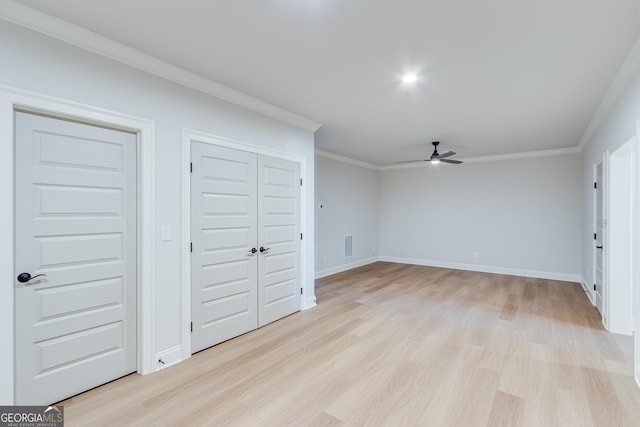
(26, 277)
(253, 251)
(598, 247)
(264, 250)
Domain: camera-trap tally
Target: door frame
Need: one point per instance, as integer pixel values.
(605, 241)
(189, 136)
(12, 99)
(635, 250)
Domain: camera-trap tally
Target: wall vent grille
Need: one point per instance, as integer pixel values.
(348, 246)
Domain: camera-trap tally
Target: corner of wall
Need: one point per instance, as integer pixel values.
(344, 267)
(549, 275)
(587, 290)
(309, 302)
(167, 358)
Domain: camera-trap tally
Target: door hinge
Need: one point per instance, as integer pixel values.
(301, 291)
(595, 185)
(191, 167)
(300, 181)
(191, 246)
(594, 286)
(191, 326)
(595, 236)
(300, 236)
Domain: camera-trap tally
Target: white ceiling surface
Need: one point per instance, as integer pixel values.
(494, 76)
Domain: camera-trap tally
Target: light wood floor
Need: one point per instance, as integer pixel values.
(397, 345)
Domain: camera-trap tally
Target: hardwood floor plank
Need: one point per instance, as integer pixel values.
(325, 420)
(397, 345)
(506, 410)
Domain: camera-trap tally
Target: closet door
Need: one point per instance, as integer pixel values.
(223, 233)
(279, 285)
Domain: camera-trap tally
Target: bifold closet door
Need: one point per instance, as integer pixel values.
(223, 232)
(279, 235)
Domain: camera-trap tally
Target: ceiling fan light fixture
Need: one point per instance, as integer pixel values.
(436, 157)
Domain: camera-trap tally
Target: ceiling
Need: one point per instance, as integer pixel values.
(494, 77)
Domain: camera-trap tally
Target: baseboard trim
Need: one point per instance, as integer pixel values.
(309, 302)
(486, 269)
(169, 357)
(344, 267)
(587, 290)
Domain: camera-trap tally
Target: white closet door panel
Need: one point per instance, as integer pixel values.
(279, 230)
(223, 230)
(224, 309)
(277, 292)
(78, 151)
(226, 244)
(55, 353)
(93, 318)
(64, 250)
(77, 298)
(51, 201)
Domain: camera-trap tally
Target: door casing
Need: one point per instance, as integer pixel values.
(603, 239)
(635, 274)
(189, 136)
(12, 99)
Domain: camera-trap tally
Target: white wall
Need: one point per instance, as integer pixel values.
(515, 216)
(349, 194)
(619, 125)
(619, 296)
(36, 63)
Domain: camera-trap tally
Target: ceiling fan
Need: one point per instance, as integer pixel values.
(437, 157)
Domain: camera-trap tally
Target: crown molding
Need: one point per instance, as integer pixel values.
(62, 30)
(497, 157)
(344, 159)
(479, 159)
(524, 155)
(629, 69)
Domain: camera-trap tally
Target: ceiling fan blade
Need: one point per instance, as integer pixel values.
(455, 162)
(412, 161)
(447, 154)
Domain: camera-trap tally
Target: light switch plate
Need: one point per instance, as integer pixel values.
(165, 233)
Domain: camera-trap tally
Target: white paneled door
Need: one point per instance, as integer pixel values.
(244, 241)
(76, 225)
(599, 241)
(279, 238)
(224, 255)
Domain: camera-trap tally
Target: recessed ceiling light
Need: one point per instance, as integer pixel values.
(409, 78)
